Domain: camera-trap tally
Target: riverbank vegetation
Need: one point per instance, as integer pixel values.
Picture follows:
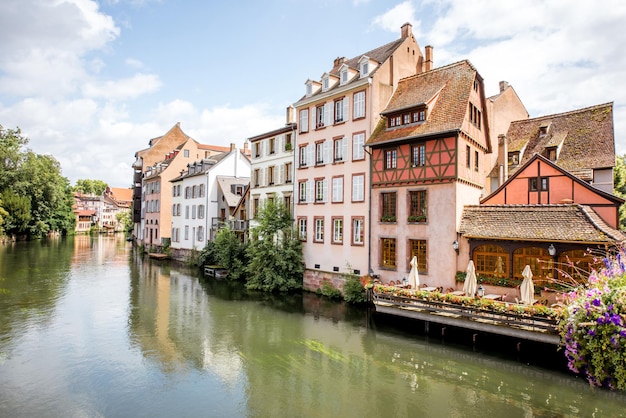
(271, 261)
(35, 199)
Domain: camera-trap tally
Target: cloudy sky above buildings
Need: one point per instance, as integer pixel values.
(90, 82)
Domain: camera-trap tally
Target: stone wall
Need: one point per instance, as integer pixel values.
(313, 280)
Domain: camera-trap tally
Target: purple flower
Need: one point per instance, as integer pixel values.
(592, 332)
(596, 302)
(622, 333)
(616, 319)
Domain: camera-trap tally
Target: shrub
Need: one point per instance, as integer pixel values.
(353, 289)
(329, 290)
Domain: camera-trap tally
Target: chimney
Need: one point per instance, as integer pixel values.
(245, 147)
(291, 115)
(232, 146)
(503, 159)
(406, 30)
(503, 86)
(429, 58)
(338, 61)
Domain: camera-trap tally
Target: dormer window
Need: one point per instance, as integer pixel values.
(514, 158)
(325, 83)
(543, 130)
(343, 76)
(551, 153)
(309, 88)
(364, 66)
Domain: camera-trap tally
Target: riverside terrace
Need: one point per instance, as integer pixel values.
(526, 322)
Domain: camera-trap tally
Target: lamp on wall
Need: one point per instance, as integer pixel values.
(552, 250)
(455, 246)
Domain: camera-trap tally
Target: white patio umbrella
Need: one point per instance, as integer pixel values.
(527, 288)
(414, 278)
(469, 287)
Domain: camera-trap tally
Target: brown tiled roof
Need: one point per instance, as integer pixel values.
(566, 223)
(586, 138)
(380, 55)
(122, 194)
(452, 83)
(217, 148)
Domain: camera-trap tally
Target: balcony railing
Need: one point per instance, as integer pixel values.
(239, 225)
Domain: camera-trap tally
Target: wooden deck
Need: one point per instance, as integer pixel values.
(532, 328)
(158, 256)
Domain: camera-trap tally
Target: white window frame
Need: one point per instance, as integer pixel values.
(319, 229)
(302, 229)
(338, 230)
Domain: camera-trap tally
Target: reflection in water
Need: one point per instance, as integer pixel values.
(130, 336)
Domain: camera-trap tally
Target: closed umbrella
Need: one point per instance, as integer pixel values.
(469, 287)
(527, 288)
(414, 278)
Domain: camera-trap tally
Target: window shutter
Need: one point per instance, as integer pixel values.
(328, 151)
(310, 191)
(328, 112)
(281, 174)
(346, 108)
(325, 194)
(310, 155)
(344, 149)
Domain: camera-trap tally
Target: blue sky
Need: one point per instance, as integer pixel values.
(90, 82)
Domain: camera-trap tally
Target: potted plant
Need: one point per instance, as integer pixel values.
(416, 218)
(388, 219)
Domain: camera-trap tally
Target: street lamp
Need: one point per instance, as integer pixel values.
(455, 246)
(552, 250)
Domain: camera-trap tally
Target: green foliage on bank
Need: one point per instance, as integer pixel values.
(275, 253)
(35, 199)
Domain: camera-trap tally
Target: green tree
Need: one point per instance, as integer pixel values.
(619, 186)
(17, 210)
(124, 218)
(12, 148)
(86, 186)
(231, 253)
(35, 179)
(275, 253)
(3, 217)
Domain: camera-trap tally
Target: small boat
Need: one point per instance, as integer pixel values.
(218, 272)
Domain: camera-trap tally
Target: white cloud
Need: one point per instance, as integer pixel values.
(396, 17)
(127, 88)
(558, 56)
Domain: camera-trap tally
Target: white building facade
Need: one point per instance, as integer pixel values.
(272, 170)
(195, 197)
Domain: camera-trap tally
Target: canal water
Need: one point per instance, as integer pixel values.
(90, 329)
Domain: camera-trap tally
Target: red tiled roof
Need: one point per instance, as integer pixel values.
(451, 84)
(585, 137)
(566, 223)
(122, 194)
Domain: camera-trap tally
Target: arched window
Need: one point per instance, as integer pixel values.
(575, 266)
(537, 258)
(491, 261)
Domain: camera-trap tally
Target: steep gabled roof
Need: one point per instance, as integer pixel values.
(537, 223)
(451, 85)
(225, 183)
(380, 55)
(610, 197)
(585, 138)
